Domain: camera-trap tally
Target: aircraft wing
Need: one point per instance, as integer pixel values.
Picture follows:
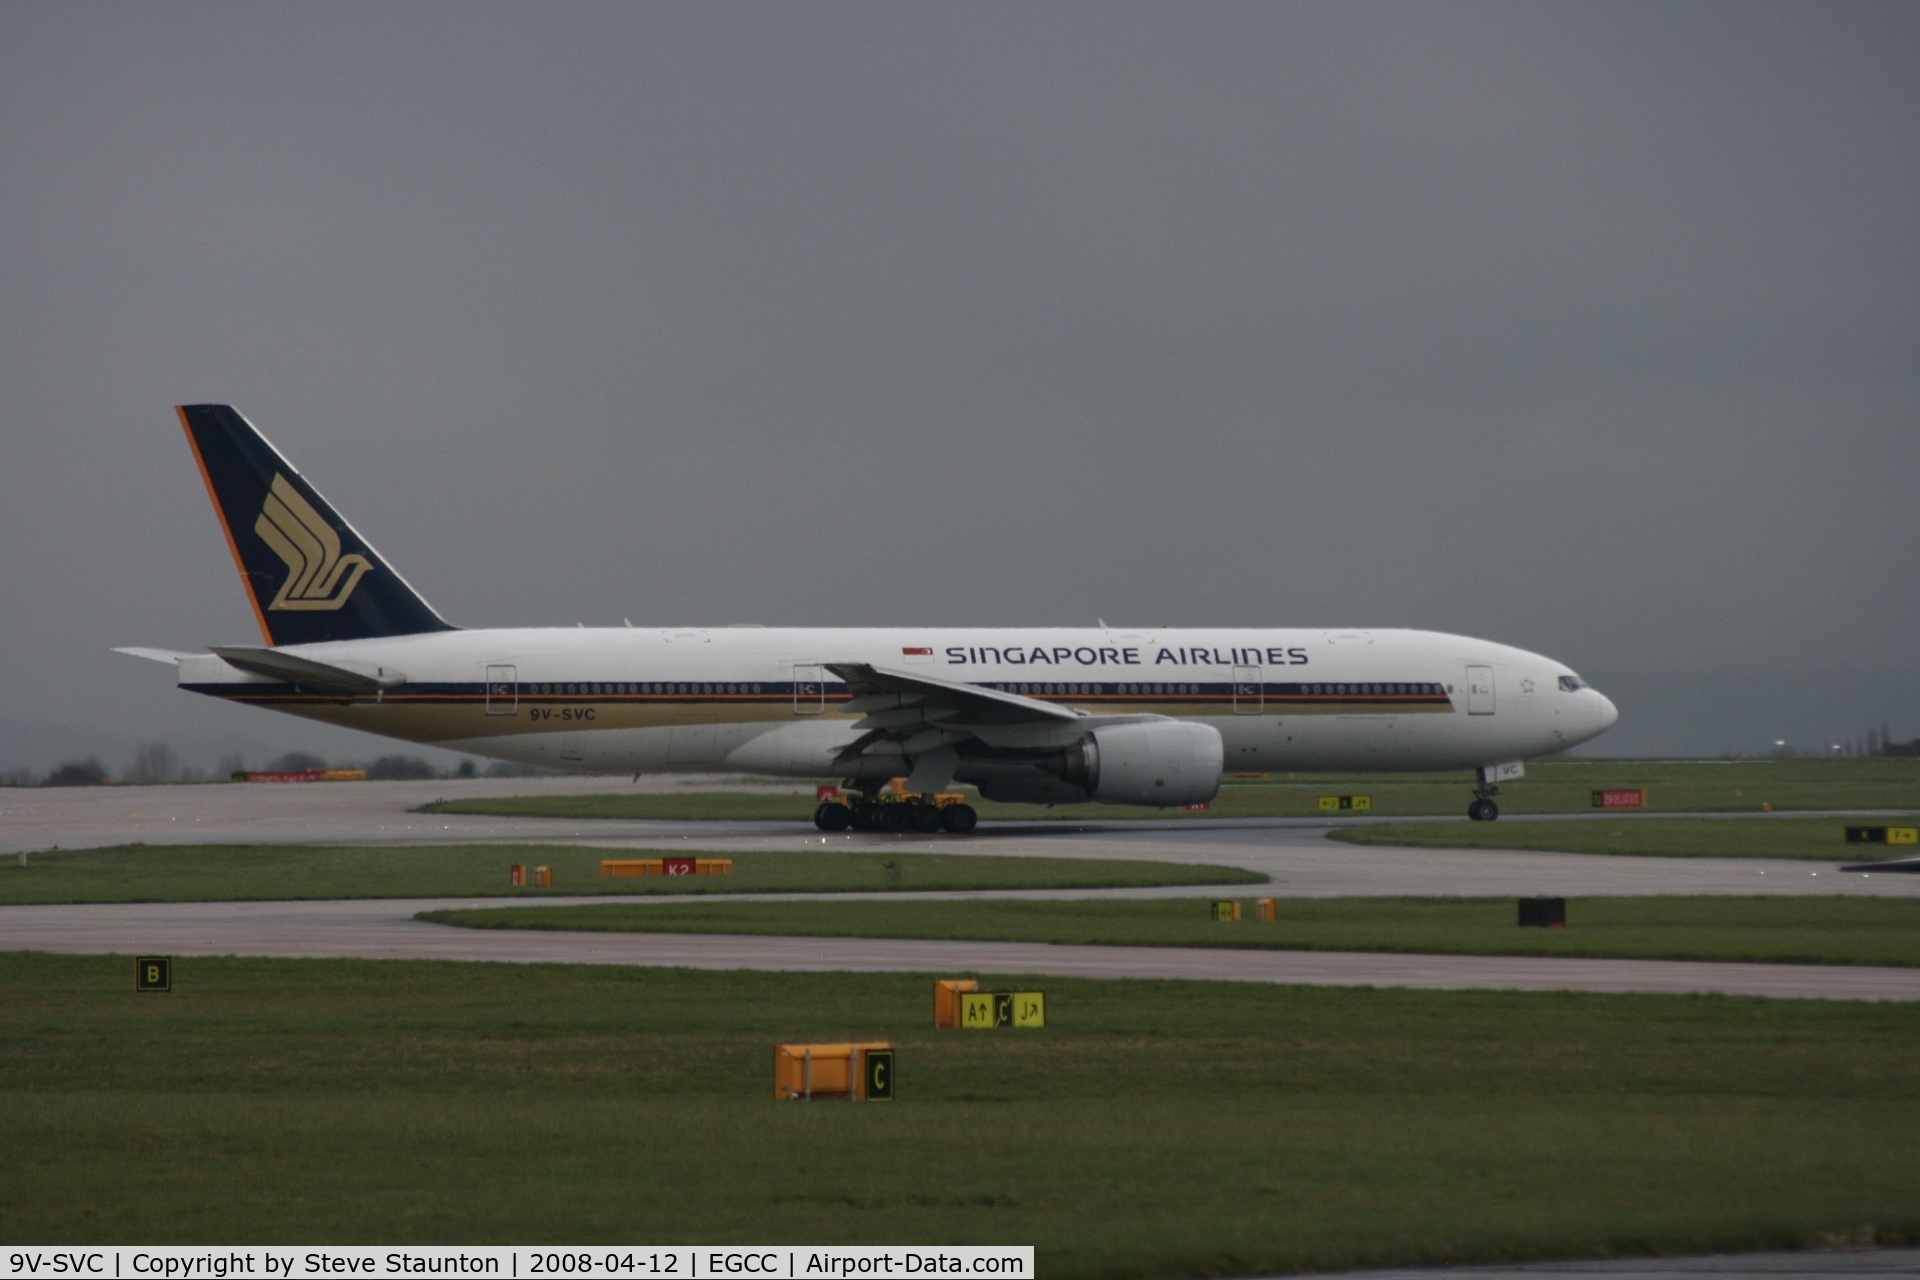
(892, 699)
(924, 720)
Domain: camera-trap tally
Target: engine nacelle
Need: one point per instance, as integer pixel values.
(1159, 762)
(1023, 785)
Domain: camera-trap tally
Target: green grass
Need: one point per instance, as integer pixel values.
(212, 873)
(1153, 1129)
(1551, 786)
(1810, 839)
(1796, 930)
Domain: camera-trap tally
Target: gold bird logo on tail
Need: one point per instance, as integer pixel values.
(318, 576)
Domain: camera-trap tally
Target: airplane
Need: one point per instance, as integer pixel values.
(1049, 715)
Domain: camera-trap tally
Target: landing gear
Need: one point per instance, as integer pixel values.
(1483, 809)
(862, 813)
(834, 816)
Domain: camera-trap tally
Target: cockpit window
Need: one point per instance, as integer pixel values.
(1571, 683)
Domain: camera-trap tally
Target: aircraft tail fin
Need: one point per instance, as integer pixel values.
(309, 575)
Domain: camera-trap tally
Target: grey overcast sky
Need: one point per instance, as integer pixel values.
(1592, 328)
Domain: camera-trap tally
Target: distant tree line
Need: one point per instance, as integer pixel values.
(1874, 742)
(157, 763)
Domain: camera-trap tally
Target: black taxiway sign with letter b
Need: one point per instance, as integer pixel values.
(153, 973)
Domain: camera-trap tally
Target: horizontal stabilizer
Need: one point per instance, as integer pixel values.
(276, 665)
(156, 655)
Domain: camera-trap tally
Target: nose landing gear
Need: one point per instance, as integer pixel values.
(1483, 806)
(1483, 809)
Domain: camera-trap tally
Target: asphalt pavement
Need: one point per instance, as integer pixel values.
(385, 929)
(1293, 852)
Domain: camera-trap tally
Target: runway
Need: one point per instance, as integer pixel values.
(385, 929)
(1293, 852)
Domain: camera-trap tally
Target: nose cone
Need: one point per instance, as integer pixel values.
(1606, 712)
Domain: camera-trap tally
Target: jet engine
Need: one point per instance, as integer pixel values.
(1159, 762)
(1021, 784)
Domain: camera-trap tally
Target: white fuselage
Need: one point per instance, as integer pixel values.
(761, 700)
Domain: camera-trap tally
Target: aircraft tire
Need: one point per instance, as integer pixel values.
(832, 817)
(891, 818)
(959, 818)
(1483, 810)
(861, 819)
(923, 818)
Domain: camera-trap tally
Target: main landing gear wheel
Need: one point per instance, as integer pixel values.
(832, 817)
(891, 818)
(959, 818)
(923, 818)
(1483, 810)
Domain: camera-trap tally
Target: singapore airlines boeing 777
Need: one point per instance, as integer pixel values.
(1052, 715)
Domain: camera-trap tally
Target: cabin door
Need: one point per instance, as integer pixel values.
(809, 689)
(503, 690)
(1480, 691)
(1249, 693)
